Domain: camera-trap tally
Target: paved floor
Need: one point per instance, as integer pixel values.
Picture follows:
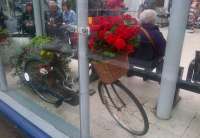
(185, 120)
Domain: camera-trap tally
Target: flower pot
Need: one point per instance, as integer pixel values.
(111, 70)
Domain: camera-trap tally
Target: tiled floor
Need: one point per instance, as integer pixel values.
(185, 120)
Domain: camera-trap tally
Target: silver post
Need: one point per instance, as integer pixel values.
(44, 8)
(166, 4)
(82, 8)
(3, 81)
(178, 20)
(37, 17)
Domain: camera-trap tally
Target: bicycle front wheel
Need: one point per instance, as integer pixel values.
(124, 107)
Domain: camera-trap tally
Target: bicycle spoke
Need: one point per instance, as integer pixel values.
(118, 95)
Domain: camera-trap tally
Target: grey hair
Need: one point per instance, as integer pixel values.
(148, 16)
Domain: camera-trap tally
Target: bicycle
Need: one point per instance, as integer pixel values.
(48, 78)
(121, 103)
(114, 96)
(37, 72)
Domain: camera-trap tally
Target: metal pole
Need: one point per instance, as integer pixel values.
(8, 7)
(3, 81)
(44, 8)
(37, 17)
(166, 4)
(82, 8)
(178, 20)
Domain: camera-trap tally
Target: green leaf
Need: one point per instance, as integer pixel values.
(109, 54)
(135, 41)
(113, 28)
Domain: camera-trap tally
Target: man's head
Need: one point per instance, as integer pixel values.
(52, 6)
(148, 16)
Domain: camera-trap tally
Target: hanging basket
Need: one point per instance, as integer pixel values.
(111, 70)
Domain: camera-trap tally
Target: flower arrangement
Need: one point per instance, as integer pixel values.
(112, 36)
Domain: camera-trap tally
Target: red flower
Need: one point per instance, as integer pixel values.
(91, 44)
(113, 34)
(110, 39)
(127, 17)
(130, 49)
(102, 34)
(120, 44)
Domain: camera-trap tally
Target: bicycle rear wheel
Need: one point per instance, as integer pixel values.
(124, 107)
(38, 83)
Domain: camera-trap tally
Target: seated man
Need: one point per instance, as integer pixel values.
(53, 19)
(27, 20)
(151, 50)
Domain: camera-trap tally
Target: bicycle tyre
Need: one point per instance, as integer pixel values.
(48, 94)
(136, 102)
(37, 85)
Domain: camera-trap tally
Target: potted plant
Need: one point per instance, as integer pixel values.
(113, 38)
(3, 35)
(28, 51)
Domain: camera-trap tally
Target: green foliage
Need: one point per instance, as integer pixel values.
(135, 41)
(109, 54)
(3, 32)
(41, 41)
(28, 51)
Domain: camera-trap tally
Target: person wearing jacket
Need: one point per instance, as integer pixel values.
(27, 20)
(69, 15)
(152, 43)
(54, 19)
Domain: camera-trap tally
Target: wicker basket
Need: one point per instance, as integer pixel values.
(111, 70)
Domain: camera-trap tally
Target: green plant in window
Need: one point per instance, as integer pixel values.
(31, 50)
